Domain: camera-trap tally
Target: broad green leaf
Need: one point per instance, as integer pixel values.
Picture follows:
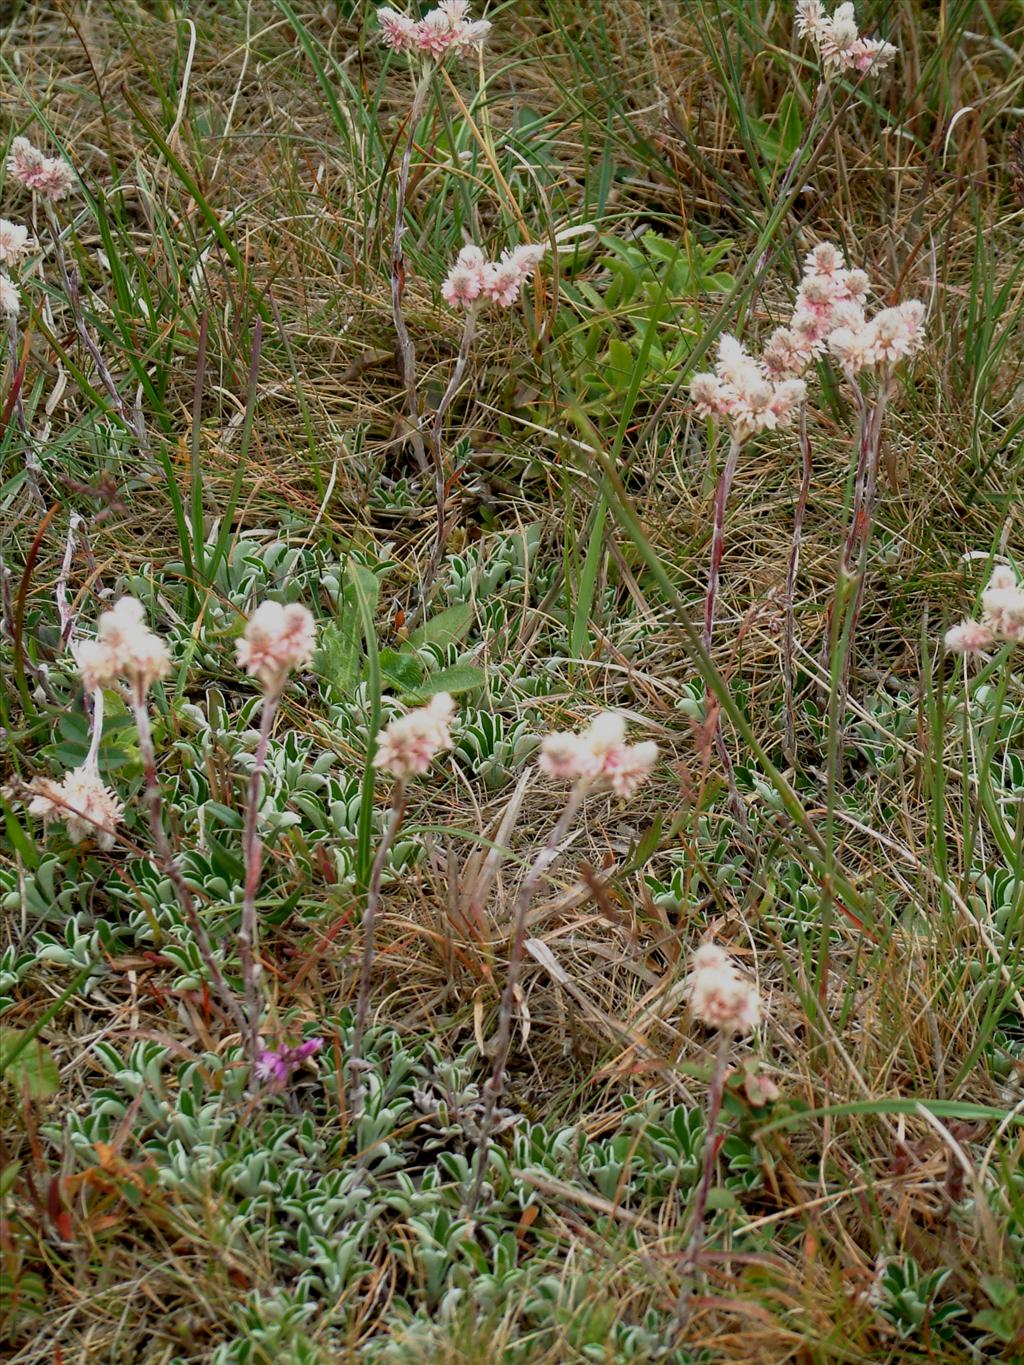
(458, 678)
(447, 627)
(29, 1067)
(403, 671)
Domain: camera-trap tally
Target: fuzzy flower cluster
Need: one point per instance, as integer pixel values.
(409, 745)
(740, 390)
(88, 809)
(14, 246)
(599, 754)
(473, 279)
(838, 40)
(50, 176)
(1002, 615)
(445, 30)
(830, 296)
(275, 1067)
(719, 996)
(830, 313)
(126, 649)
(277, 639)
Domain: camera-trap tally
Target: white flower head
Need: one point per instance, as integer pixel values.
(87, 808)
(409, 745)
(277, 639)
(719, 996)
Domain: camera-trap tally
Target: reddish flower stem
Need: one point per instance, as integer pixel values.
(395, 816)
(503, 1040)
(248, 935)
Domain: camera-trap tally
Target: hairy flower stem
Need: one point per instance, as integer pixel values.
(395, 816)
(858, 540)
(722, 490)
(503, 1040)
(71, 288)
(166, 859)
(696, 1245)
(789, 630)
(437, 457)
(248, 935)
(406, 347)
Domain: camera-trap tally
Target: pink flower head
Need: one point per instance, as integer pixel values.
(734, 361)
(787, 395)
(969, 637)
(276, 1068)
(409, 745)
(14, 242)
(784, 355)
(1003, 604)
(563, 755)
(88, 809)
(853, 346)
(505, 278)
(853, 287)
(838, 40)
(710, 396)
(719, 996)
(126, 649)
(817, 295)
(599, 754)
(825, 260)
(10, 299)
(50, 176)
(869, 54)
(397, 32)
(448, 29)
(276, 640)
(466, 279)
(811, 18)
(894, 335)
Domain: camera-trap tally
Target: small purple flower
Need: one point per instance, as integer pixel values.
(276, 1068)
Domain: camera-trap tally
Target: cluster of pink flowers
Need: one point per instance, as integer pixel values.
(88, 809)
(14, 246)
(277, 639)
(473, 279)
(740, 390)
(1002, 618)
(719, 996)
(838, 39)
(447, 29)
(881, 341)
(276, 1067)
(599, 754)
(830, 296)
(126, 649)
(409, 745)
(10, 299)
(50, 176)
(829, 314)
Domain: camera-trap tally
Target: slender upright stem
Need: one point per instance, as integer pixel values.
(14, 343)
(789, 632)
(167, 860)
(71, 288)
(395, 816)
(707, 1175)
(406, 347)
(437, 457)
(722, 489)
(503, 1041)
(92, 757)
(248, 936)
